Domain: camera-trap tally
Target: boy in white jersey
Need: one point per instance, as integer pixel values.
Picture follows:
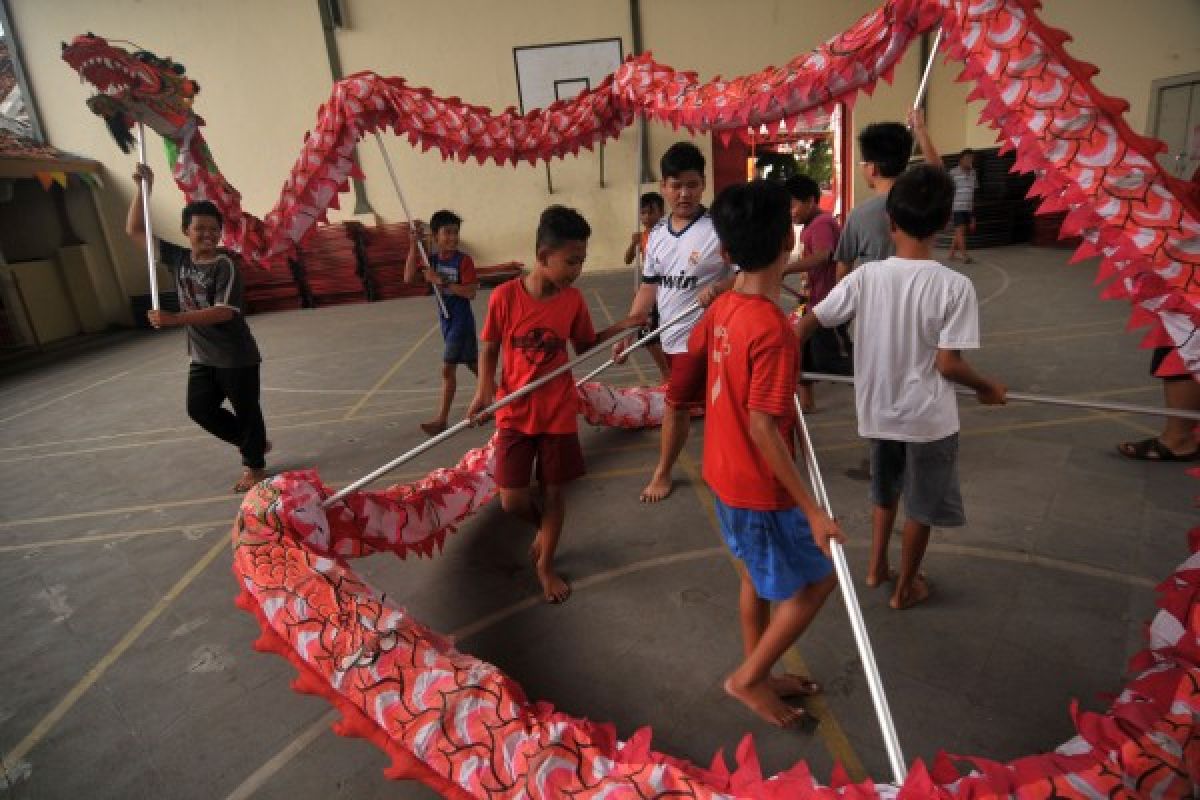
(915, 317)
(683, 265)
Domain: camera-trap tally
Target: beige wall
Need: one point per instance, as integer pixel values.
(263, 73)
(1133, 44)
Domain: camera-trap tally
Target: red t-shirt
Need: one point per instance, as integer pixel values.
(752, 356)
(821, 234)
(533, 336)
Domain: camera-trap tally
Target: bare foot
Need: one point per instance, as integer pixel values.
(791, 685)
(765, 703)
(873, 580)
(433, 427)
(250, 478)
(535, 550)
(554, 589)
(657, 489)
(919, 593)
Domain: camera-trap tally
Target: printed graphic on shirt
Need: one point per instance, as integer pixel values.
(539, 346)
(720, 349)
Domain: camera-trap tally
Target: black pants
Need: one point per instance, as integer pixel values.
(209, 387)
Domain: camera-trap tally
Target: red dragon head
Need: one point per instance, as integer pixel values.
(133, 87)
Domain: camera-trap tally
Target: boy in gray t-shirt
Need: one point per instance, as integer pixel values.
(224, 356)
(885, 148)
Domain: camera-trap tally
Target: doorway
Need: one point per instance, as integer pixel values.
(1175, 119)
(818, 149)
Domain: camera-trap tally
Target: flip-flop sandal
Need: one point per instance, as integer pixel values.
(1153, 450)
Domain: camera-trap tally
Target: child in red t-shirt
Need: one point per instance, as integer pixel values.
(530, 320)
(768, 518)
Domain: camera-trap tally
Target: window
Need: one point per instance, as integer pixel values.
(17, 113)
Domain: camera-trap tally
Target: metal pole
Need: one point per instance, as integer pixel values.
(640, 257)
(858, 625)
(150, 265)
(408, 218)
(1127, 408)
(937, 39)
(496, 406)
(640, 342)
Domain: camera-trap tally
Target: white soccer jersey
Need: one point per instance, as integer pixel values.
(679, 264)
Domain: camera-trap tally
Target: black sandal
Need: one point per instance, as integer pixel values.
(1153, 450)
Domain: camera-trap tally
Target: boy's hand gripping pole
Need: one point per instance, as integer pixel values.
(857, 624)
(387, 160)
(496, 406)
(150, 265)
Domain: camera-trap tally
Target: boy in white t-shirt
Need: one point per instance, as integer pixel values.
(683, 265)
(914, 317)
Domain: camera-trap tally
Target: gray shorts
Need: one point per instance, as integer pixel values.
(927, 475)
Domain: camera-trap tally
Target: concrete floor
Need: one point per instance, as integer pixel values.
(128, 672)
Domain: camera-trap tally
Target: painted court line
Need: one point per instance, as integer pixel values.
(229, 496)
(66, 396)
(387, 376)
(97, 538)
(47, 723)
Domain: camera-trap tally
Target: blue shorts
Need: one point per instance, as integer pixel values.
(459, 332)
(777, 548)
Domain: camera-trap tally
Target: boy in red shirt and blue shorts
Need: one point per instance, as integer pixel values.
(531, 319)
(768, 518)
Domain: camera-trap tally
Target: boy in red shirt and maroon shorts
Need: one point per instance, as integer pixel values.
(530, 320)
(768, 518)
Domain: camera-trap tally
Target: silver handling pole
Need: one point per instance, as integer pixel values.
(639, 343)
(146, 223)
(1093, 405)
(640, 258)
(858, 624)
(494, 407)
(937, 39)
(387, 160)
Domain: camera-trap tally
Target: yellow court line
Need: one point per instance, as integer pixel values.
(47, 723)
(387, 376)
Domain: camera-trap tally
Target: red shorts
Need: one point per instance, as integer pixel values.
(689, 374)
(558, 456)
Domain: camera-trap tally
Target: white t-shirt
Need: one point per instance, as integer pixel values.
(680, 264)
(965, 184)
(906, 311)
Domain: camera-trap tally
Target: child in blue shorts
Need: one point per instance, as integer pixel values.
(453, 272)
(768, 518)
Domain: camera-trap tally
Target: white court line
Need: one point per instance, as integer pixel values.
(66, 396)
(1005, 281)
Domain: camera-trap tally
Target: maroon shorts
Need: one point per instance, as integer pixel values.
(558, 457)
(689, 374)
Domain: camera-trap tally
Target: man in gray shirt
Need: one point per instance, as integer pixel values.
(224, 356)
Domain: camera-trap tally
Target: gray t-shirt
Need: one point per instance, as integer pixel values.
(213, 283)
(867, 234)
